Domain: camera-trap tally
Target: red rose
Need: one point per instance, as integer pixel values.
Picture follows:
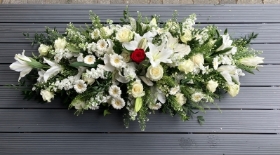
(138, 55)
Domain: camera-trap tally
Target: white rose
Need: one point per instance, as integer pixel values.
(226, 42)
(233, 89)
(43, 49)
(251, 61)
(137, 89)
(60, 43)
(155, 73)
(47, 95)
(212, 85)
(124, 35)
(187, 36)
(180, 98)
(186, 66)
(198, 59)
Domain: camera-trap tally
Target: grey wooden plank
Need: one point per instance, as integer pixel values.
(79, 13)
(62, 120)
(267, 76)
(248, 98)
(271, 52)
(268, 33)
(127, 144)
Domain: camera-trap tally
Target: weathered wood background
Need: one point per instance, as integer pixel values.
(248, 124)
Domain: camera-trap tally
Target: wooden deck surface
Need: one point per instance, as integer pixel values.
(248, 125)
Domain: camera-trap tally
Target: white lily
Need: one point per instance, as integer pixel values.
(158, 95)
(226, 42)
(21, 65)
(132, 45)
(55, 69)
(252, 61)
(230, 72)
(158, 54)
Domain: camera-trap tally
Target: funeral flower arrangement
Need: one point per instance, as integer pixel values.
(138, 66)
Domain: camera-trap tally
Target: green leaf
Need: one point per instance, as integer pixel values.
(106, 112)
(225, 32)
(138, 104)
(73, 48)
(200, 120)
(223, 51)
(218, 43)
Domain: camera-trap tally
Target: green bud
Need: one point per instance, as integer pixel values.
(35, 64)
(138, 104)
(143, 43)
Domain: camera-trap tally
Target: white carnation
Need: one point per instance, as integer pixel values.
(181, 99)
(174, 90)
(212, 85)
(43, 49)
(95, 34)
(60, 43)
(198, 96)
(155, 106)
(47, 95)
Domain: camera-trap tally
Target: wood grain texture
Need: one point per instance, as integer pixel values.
(248, 125)
(127, 144)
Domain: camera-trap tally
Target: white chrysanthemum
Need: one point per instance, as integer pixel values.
(115, 91)
(89, 59)
(80, 86)
(198, 96)
(102, 45)
(116, 60)
(117, 103)
(174, 90)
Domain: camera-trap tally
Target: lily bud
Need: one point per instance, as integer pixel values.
(153, 22)
(252, 61)
(142, 44)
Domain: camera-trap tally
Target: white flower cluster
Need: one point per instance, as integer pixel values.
(141, 66)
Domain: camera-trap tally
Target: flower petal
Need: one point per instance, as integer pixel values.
(131, 46)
